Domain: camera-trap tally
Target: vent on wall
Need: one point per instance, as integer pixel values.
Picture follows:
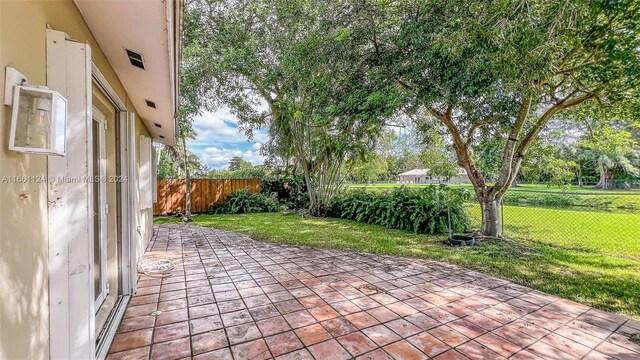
(150, 103)
(135, 59)
(161, 136)
(157, 125)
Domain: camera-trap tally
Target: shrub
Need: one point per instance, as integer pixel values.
(422, 210)
(240, 202)
(291, 191)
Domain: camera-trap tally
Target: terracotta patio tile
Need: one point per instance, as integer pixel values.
(381, 335)
(288, 306)
(299, 319)
(383, 314)
(311, 301)
(361, 320)
(253, 350)
(329, 350)
(401, 309)
(513, 334)
(498, 344)
(312, 334)
(403, 327)
(565, 345)
(547, 351)
(135, 354)
(441, 315)
(263, 312)
(623, 340)
(357, 343)
(617, 352)
(236, 318)
(448, 335)
(220, 354)
(467, 328)
(345, 307)
(302, 354)
(257, 301)
(323, 313)
(173, 304)
(208, 341)
(483, 321)
(403, 350)
(241, 333)
(273, 326)
(144, 299)
(155, 289)
(384, 299)
(173, 316)
(171, 332)
(131, 340)
(231, 306)
(170, 350)
(475, 350)
(136, 323)
(365, 303)
(339, 326)
(378, 354)
(172, 295)
(203, 310)
(206, 323)
(525, 355)
(141, 310)
(283, 343)
(451, 355)
(578, 336)
(200, 300)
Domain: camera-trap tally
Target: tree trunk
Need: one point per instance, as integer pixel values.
(187, 180)
(491, 225)
(604, 176)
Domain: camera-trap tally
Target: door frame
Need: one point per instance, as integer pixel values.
(98, 117)
(124, 222)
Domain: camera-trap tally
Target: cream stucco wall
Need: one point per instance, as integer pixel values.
(24, 327)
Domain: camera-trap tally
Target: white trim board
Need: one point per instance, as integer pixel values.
(71, 306)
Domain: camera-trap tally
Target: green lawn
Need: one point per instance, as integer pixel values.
(520, 187)
(601, 274)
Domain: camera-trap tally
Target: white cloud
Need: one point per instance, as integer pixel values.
(218, 158)
(221, 128)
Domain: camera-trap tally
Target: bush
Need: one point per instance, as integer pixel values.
(422, 210)
(291, 191)
(240, 202)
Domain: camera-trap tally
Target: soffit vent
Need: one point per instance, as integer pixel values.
(157, 125)
(150, 103)
(135, 59)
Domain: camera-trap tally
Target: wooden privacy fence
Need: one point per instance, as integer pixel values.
(205, 193)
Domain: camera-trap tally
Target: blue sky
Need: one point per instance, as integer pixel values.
(219, 140)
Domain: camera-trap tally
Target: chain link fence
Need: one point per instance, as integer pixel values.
(598, 221)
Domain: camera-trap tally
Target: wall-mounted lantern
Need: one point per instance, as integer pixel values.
(39, 118)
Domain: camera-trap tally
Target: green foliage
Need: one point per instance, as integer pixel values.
(246, 173)
(240, 202)
(367, 169)
(291, 191)
(419, 210)
(238, 163)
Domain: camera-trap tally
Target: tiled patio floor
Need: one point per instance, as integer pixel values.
(231, 297)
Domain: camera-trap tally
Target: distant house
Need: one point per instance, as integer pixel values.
(460, 178)
(415, 176)
(421, 176)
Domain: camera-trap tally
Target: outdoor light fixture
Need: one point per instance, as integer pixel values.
(39, 118)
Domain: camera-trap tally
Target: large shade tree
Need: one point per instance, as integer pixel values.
(501, 70)
(296, 68)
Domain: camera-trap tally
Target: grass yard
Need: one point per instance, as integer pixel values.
(614, 233)
(600, 274)
(520, 187)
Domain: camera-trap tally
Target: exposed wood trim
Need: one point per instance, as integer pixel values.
(103, 84)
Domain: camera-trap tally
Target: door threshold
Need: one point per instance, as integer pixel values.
(108, 332)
